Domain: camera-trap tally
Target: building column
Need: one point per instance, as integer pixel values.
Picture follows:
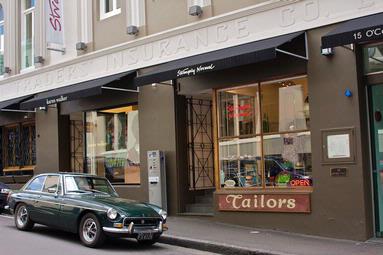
(52, 141)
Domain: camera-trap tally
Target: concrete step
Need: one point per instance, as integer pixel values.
(196, 214)
(199, 208)
(206, 199)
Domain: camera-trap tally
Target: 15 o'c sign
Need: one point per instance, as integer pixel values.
(265, 202)
(54, 15)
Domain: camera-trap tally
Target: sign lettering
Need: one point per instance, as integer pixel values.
(373, 33)
(190, 71)
(56, 100)
(265, 202)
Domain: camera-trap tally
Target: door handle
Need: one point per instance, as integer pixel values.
(37, 200)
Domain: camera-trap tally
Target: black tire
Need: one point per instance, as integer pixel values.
(90, 231)
(22, 219)
(148, 242)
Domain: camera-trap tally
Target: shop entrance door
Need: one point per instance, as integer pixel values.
(200, 144)
(377, 148)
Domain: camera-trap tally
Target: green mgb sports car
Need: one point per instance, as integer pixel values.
(87, 205)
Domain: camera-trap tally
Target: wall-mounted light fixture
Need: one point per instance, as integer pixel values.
(132, 30)
(81, 46)
(195, 10)
(39, 60)
(327, 52)
(7, 70)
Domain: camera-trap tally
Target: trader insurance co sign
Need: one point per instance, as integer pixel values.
(258, 22)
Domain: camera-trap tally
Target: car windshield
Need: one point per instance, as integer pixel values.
(88, 184)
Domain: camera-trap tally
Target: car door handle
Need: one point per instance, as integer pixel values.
(37, 200)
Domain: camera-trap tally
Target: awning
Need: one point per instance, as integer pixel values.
(360, 30)
(227, 58)
(120, 82)
(13, 105)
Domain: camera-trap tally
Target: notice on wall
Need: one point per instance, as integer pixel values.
(338, 146)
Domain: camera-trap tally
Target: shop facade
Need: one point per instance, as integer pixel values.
(260, 126)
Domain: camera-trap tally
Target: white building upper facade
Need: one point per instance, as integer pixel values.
(38, 38)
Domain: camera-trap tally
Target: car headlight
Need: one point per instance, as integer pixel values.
(163, 214)
(5, 191)
(112, 214)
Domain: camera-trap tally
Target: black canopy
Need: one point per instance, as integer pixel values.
(360, 30)
(13, 104)
(121, 81)
(220, 59)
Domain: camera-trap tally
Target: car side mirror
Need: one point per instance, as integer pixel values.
(52, 190)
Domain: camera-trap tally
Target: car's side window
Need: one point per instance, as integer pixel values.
(36, 184)
(51, 184)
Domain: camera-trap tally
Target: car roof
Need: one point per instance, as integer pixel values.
(69, 173)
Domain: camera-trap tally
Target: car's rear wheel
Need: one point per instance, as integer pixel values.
(22, 219)
(90, 231)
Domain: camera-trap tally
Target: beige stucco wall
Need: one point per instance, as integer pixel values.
(161, 15)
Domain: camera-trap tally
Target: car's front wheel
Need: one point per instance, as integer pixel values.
(90, 231)
(22, 219)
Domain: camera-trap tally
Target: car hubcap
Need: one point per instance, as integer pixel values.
(89, 230)
(22, 216)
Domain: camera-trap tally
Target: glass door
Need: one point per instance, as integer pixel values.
(377, 147)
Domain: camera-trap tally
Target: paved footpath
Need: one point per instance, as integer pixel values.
(229, 239)
(46, 241)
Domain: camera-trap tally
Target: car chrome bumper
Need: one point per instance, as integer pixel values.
(132, 230)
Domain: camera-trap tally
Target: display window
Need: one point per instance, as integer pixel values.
(112, 144)
(264, 135)
(373, 58)
(18, 149)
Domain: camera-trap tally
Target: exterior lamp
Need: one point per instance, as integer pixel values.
(132, 30)
(327, 52)
(81, 46)
(195, 10)
(39, 60)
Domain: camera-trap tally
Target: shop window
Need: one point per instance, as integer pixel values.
(239, 113)
(28, 145)
(19, 149)
(373, 59)
(12, 146)
(112, 144)
(27, 33)
(264, 137)
(109, 8)
(1, 40)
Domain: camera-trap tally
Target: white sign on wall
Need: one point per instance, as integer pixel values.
(54, 22)
(338, 146)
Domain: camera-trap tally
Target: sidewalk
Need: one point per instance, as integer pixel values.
(228, 239)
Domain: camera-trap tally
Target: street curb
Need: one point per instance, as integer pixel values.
(213, 247)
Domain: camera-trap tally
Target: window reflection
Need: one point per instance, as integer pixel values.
(287, 159)
(373, 59)
(112, 142)
(240, 161)
(280, 156)
(285, 106)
